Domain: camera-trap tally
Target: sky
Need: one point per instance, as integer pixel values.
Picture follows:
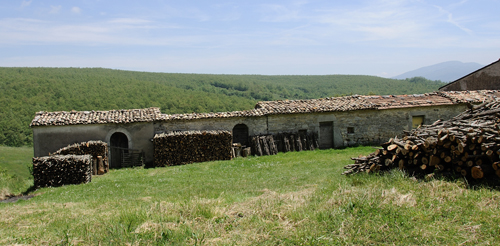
(299, 37)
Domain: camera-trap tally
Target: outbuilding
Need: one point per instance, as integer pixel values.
(337, 121)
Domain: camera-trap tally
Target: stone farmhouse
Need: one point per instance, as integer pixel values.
(338, 121)
(486, 78)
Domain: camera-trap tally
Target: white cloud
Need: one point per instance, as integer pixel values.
(55, 9)
(76, 10)
(453, 21)
(25, 3)
(21, 31)
(129, 21)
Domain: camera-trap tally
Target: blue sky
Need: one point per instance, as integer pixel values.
(378, 37)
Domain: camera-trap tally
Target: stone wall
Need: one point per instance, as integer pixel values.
(363, 126)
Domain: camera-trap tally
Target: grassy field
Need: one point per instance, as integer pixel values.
(287, 199)
(15, 176)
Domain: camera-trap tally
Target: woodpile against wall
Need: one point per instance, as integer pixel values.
(178, 148)
(97, 149)
(283, 142)
(468, 144)
(61, 170)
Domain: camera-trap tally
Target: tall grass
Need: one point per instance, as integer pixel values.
(15, 166)
(288, 199)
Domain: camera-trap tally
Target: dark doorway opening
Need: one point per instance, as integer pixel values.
(118, 144)
(240, 134)
(326, 135)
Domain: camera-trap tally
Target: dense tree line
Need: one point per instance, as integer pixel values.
(25, 91)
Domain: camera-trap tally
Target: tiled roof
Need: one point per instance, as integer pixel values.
(332, 104)
(471, 96)
(353, 103)
(95, 117)
(408, 101)
(195, 116)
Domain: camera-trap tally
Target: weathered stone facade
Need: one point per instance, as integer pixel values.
(361, 127)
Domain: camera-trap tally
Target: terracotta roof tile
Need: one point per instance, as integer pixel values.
(194, 116)
(330, 104)
(95, 117)
(409, 101)
(471, 96)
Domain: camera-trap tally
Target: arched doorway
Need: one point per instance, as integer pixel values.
(240, 134)
(118, 144)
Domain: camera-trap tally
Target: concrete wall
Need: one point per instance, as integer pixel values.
(487, 78)
(48, 139)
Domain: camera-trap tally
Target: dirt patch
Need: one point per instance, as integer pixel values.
(12, 198)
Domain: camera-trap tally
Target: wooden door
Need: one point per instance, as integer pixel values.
(326, 135)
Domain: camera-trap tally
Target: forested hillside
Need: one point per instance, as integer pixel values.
(25, 91)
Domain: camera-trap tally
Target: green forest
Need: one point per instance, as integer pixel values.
(25, 91)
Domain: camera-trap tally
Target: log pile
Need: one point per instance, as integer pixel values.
(97, 149)
(178, 148)
(467, 145)
(263, 145)
(61, 170)
(283, 142)
(290, 141)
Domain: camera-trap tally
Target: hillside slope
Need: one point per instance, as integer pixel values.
(25, 91)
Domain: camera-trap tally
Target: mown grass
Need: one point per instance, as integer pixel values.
(15, 176)
(288, 199)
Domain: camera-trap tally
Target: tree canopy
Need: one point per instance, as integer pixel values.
(25, 91)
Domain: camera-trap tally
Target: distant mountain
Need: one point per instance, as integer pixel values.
(445, 71)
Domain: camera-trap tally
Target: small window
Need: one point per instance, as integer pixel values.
(417, 121)
(350, 130)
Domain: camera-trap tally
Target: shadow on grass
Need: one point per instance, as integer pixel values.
(491, 182)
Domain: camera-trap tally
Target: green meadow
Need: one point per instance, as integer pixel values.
(297, 198)
(15, 164)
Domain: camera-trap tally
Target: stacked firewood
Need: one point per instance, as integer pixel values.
(290, 141)
(283, 142)
(263, 145)
(61, 170)
(468, 145)
(97, 149)
(178, 148)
